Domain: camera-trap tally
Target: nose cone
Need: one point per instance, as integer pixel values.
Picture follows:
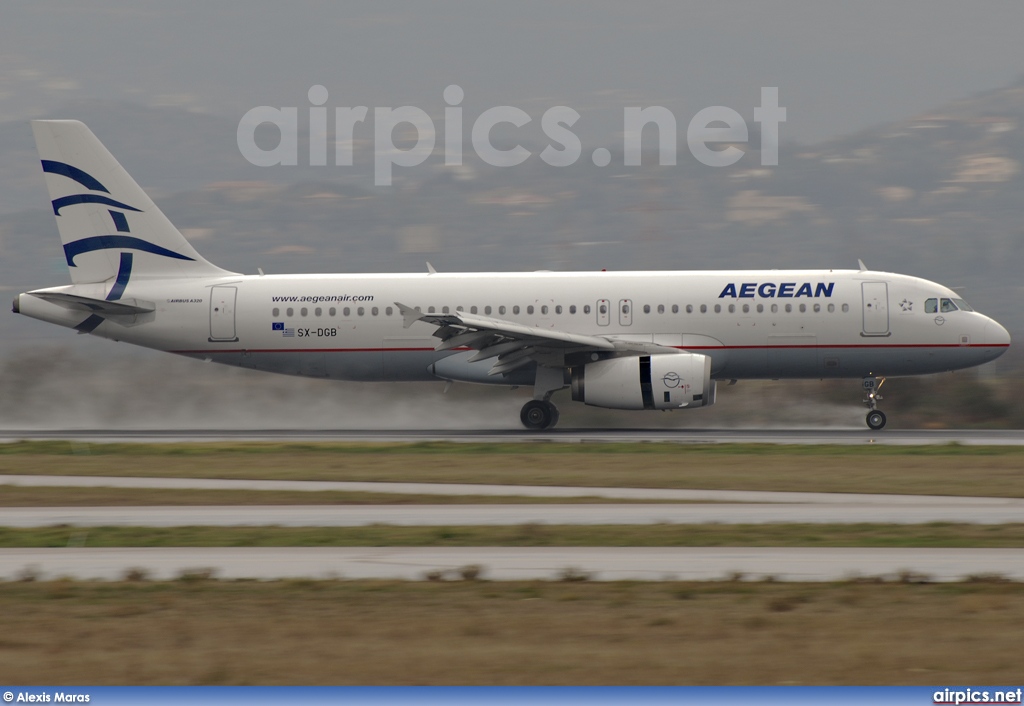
(996, 336)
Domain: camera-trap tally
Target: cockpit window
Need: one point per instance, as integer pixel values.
(948, 305)
(964, 306)
(931, 306)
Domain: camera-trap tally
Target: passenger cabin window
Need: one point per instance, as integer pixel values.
(586, 308)
(572, 308)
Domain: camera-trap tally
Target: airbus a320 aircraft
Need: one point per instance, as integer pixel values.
(622, 340)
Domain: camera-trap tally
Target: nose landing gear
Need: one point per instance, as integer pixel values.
(876, 417)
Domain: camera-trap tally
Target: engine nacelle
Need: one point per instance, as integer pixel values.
(669, 381)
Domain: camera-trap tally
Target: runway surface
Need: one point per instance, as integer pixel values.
(858, 436)
(508, 563)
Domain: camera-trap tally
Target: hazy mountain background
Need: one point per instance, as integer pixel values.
(925, 188)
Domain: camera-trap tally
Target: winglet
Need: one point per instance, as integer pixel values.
(863, 267)
(430, 269)
(409, 315)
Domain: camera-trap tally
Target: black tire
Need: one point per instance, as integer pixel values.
(876, 419)
(538, 415)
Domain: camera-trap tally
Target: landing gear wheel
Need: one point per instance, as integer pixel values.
(876, 419)
(538, 415)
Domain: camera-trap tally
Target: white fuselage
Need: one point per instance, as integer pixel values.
(752, 324)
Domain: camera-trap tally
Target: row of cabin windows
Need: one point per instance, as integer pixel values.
(745, 308)
(333, 311)
(603, 309)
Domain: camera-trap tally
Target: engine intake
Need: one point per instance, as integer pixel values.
(670, 381)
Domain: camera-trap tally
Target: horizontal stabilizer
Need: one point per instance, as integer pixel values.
(122, 307)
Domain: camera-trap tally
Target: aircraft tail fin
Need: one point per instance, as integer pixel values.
(110, 228)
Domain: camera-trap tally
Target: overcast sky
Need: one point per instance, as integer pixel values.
(840, 66)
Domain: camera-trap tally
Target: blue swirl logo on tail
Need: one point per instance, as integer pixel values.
(103, 242)
(120, 220)
(110, 242)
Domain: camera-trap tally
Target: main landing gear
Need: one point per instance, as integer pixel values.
(876, 417)
(539, 414)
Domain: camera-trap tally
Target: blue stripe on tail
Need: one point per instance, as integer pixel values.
(124, 272)
(108, 242)
(85, 179)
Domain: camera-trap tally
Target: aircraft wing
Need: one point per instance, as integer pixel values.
(514, 345)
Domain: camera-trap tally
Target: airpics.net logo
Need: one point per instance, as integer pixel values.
(712, 134)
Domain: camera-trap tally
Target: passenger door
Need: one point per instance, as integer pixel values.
(222, 313)
(875, 297)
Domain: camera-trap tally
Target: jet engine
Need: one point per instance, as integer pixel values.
(669, 381)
